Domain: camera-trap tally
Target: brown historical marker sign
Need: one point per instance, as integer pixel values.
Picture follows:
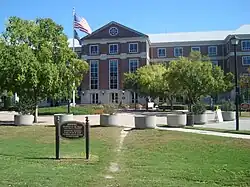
(72, 129)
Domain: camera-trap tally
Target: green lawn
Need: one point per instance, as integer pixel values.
(27, 157)
(148, 158)
(78, 110)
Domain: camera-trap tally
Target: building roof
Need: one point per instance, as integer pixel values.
(187, 36)
(197, 36)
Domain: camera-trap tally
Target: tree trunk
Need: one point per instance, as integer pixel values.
(189, 107)
(36, 114)
(147, 104)
(171, 104)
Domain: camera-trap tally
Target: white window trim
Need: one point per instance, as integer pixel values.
(117, 49)
(242, 60)
(90, 74)
(242, 45)
(137, 51)
(90, 52)
(178, 48)
(208, 49)
(196, 48)
(117, 61)
(158, 49)
(131, 59)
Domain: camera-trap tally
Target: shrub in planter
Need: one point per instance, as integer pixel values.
(228, 111)
(176, 120)
(109, 117)
(124, 106)
(139, 106)
(25, 109)
(200, 116)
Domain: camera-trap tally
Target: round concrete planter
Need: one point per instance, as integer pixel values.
(228, 115)
(107, 120)
(200, 119)
(63, 118)
(145, 122)
(176, 120)
(23, 120)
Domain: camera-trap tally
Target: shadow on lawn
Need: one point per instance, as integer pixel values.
(7, 123)
(42, 158)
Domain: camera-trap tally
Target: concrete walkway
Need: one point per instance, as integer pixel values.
(228, 125)
(230, 135)
(8, 117)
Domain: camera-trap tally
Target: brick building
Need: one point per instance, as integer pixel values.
(115, 49)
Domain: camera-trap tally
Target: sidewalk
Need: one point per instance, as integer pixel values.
(230, 135)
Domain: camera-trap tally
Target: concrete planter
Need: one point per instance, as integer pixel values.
(176, 120)
(63, 118)
(145, 122)
(228, 115)
(109, 120)
(23, 120)
(200, 119)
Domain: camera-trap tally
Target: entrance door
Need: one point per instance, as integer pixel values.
(94, 98)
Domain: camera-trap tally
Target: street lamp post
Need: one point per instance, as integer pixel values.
(234, 42)
(68, 91)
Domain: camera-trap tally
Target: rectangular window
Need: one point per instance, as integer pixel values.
(134, 97)
(246, 60)
(114, 98)
(133, 48)
(133, 65)
(94, 74)
(245, 45)
(178, 51)
(161, 52)
(113, 49)
(196, 49)
(212, 50)
(113, 74)
(94, 49)
(94, 98)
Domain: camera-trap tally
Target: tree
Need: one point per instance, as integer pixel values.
(149, 81)
(245, 86)
(34, 60)
(195, 76)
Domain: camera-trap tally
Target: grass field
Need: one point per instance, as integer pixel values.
(78, 110)
(148, 158)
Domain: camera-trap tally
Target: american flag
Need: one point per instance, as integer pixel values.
(81, 24)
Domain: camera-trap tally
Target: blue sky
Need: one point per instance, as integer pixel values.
(147, 16)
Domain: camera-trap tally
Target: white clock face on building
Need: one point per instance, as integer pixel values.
(113, 31)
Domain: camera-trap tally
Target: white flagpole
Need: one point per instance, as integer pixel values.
(74, 99)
